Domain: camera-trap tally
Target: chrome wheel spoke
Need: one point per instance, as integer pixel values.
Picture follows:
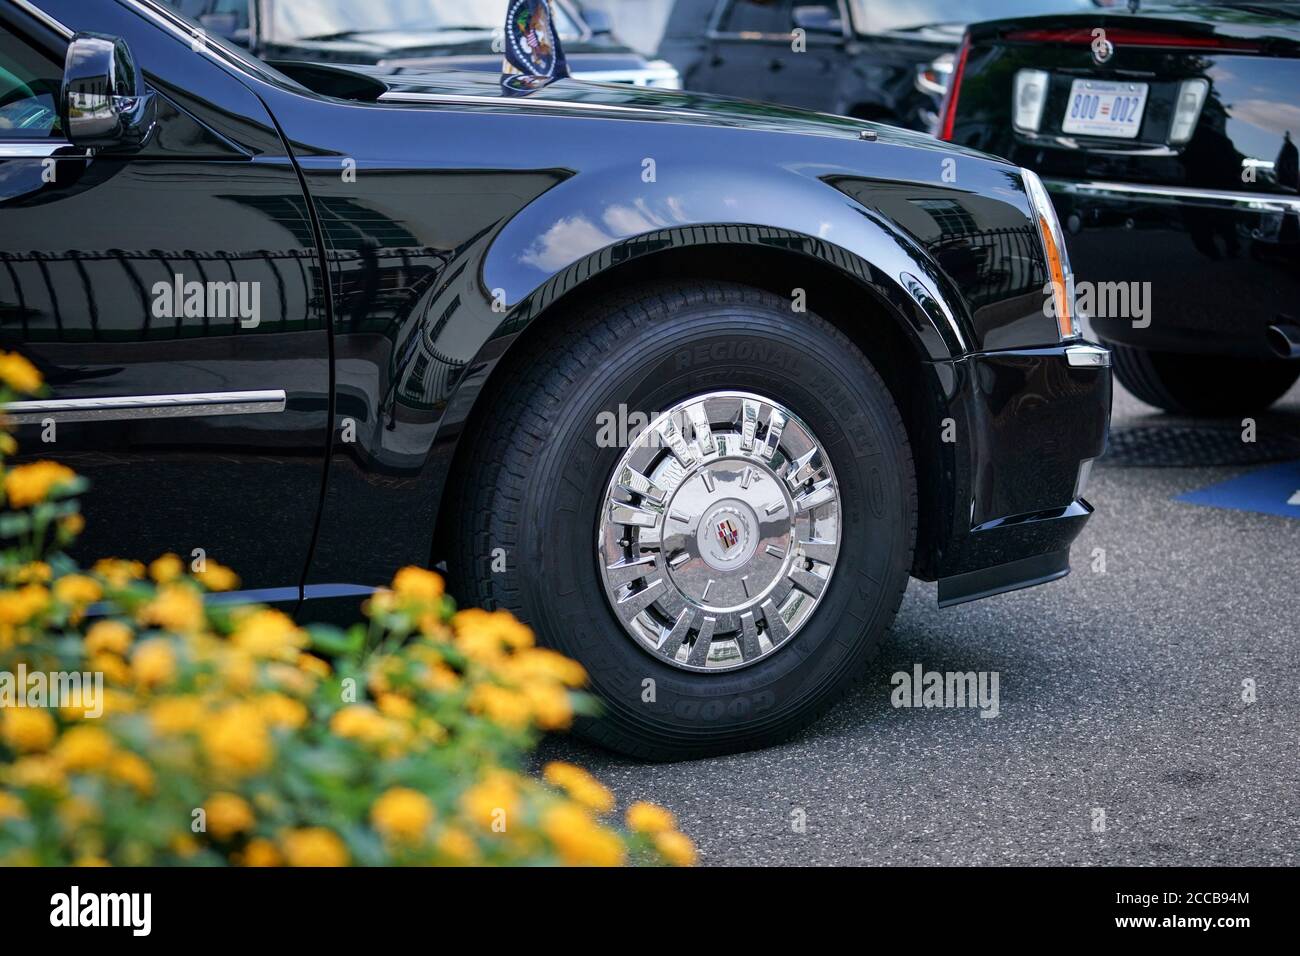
(703, 641)
(672, 642)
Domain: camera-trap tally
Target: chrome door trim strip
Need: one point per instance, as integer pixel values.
(1256, 202)
(133, 407)
(36, 12)
(33, 150)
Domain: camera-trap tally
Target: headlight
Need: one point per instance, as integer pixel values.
(1058, 259)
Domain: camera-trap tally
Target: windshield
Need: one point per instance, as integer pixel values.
(292, 20)
(875, 16)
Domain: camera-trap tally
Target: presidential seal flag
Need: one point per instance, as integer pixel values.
(532, 44)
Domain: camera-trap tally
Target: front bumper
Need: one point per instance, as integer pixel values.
(1027, 425)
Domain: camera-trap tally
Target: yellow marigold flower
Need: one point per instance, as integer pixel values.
(154, 662)
(112, 667)
(176, 608)
(183, 845)
(676, 848)
(501, 626)
(550, 704)
(27, 729)
(580, 785)
(34, 572)
(579, 840)
(107, 636)
(501, 705)
(439, 678)
(11, 807)
(487, 801)
(228, 814)
(396, 706)
(238, 669)
(90, 861)
(39, 773)
(417, 584)
(402, 814)
(543, 663)
(457, 845)
(360, 722)
(260, 852)
(313, 665)
(7, 444)
(29, 485)
(236, 740)
(18, 373)
(176, 715)
(132, 769)
(314, 846)
(166, 569)
(217, 577)
(644, 817)
(77, 590)
(72, 525)
(268, 633)
(282, 711)
(19, 607)
(118, 572)
(84, 748)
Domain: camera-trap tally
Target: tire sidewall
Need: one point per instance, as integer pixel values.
(805, 366)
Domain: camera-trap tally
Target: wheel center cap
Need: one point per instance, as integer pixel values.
(728, 535)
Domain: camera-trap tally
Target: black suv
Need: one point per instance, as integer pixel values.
(866, 58)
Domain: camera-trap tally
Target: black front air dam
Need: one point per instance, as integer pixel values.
(1030, 420)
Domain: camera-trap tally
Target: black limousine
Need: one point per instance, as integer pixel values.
(692, 386)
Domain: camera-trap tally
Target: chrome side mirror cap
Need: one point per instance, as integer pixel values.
(104, 100)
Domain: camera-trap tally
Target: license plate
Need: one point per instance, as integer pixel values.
(1102, 108)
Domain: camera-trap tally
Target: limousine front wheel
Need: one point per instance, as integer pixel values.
(705, 498)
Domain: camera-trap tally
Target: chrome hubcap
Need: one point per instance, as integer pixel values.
(719, 531)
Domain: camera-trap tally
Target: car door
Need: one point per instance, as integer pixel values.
(747, 43)
(173, 297)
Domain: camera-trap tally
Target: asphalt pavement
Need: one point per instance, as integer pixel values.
(1149, 713)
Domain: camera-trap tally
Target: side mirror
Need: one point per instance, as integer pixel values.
(818, 19)
(104, 100)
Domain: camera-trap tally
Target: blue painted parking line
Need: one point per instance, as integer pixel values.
(1274, 490)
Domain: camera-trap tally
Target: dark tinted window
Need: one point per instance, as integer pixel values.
(29, 89)
(758, 16)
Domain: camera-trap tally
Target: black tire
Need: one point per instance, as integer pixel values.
(1202, 384)
(536, 477)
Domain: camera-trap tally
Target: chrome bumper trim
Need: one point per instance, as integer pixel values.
(127, 408)
(1088, 356)
(1252, 202)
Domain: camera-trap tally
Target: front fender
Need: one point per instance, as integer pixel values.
(587, 225)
